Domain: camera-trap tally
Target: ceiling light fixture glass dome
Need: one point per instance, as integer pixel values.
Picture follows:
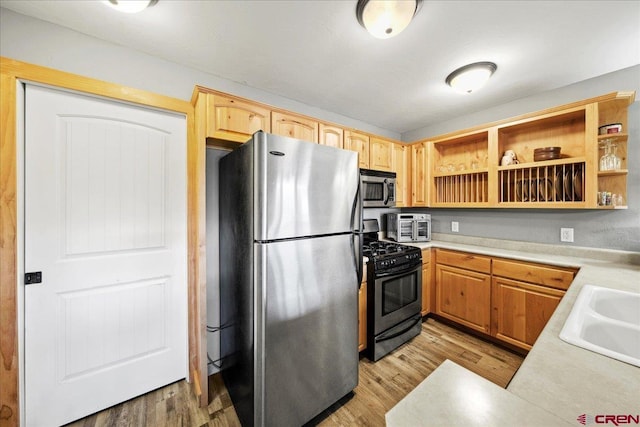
(471, 77)
(130, 6)
(386, 18)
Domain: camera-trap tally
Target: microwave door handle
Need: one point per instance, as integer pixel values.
(414, 230)
(385, 191)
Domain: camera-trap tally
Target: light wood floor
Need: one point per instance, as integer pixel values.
(381, 386)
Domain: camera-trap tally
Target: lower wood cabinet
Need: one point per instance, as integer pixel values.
(426, 282)
(524, 295)
(521, 310)
(506, 299)
(464, 296)
(362, 315)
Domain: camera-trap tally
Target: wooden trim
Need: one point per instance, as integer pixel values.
(198, 256)
(10, 72)
(9, 410)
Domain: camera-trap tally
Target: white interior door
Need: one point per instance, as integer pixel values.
(105, 224)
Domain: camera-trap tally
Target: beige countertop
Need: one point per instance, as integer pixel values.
(565, 380)
(456, 396)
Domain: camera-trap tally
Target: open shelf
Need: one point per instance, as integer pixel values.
(561, 129)
(465, 167)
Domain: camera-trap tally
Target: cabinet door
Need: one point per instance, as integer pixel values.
(464, 296)
(332, 136)
(521, 310)
(358, 142)
(232, 119)
(426, 288)
(362, 316)
(294, 126)
(380, 155)
(400, 165)
(419, 174)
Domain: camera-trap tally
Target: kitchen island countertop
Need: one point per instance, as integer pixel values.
(562, 379)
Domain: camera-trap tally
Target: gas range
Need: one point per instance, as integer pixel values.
(387, 257)
(394, 292)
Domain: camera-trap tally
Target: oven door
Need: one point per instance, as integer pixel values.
(397, 297)
(422, 230)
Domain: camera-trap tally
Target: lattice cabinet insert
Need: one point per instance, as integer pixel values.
(459, 168)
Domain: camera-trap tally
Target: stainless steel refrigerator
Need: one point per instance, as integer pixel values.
(289, 274)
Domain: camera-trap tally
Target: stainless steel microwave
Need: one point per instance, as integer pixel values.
(378, 188)
(409, 227)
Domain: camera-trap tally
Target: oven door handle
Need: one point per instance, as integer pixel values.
(392, 333)
(410, 268)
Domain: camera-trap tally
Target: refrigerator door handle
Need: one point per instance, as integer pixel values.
(356, 218)
(356, 209)
(356, 249)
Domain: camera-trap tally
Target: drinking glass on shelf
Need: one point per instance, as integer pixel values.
(604, 160)
(614, 159)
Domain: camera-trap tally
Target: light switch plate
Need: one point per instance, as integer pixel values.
(454, 226)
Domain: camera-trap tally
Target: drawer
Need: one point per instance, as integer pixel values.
(464, 260)
(554, 277)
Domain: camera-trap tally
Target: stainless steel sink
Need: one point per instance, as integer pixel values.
(606, 321)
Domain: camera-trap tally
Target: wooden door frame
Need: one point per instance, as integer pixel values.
(11, 72)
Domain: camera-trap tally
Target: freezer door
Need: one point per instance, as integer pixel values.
(307, 344)
(303, 189)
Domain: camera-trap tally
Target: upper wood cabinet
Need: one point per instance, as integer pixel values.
(400, 162)
(294, 126)
(465, 169)
(333, 136)
(233, 119)
(380, 154)
(419, 175)
(359, 142)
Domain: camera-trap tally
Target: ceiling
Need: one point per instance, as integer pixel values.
(315, 52)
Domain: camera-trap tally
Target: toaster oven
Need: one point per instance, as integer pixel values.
(409, 227)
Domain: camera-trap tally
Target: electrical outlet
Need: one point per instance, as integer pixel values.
(454, 226)
(566, 234)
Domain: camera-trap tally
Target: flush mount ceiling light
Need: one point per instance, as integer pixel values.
(131, 6)
(471, 77)
(386, 18)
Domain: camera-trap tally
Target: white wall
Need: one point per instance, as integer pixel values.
(38, 42)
